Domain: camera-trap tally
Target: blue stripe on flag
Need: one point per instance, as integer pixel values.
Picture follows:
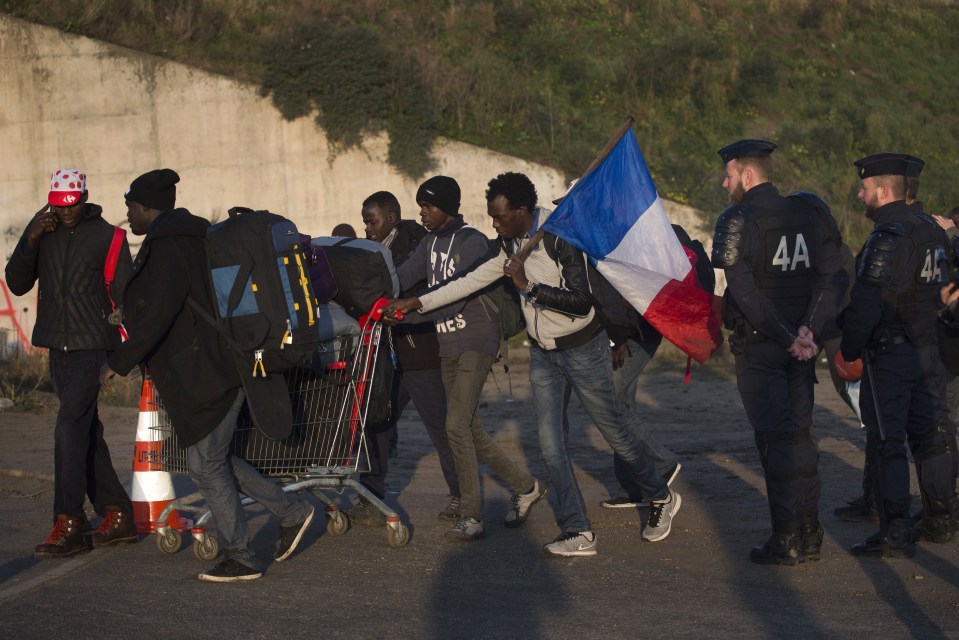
(603, 206)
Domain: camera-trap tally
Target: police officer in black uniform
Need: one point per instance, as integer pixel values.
(784, 282)
(891, 323)
(863, 508)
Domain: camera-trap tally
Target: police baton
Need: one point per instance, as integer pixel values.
(881, 431)
(867, 365)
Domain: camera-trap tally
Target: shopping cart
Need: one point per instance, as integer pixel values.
(325, 449)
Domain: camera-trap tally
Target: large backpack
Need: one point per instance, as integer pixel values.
(262, 295)
(363, 271)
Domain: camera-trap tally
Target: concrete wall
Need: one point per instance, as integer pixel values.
(68, 101)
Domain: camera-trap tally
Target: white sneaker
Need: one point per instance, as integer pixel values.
(661, 514)
(572, 543)
(466, 529)
(523, 504)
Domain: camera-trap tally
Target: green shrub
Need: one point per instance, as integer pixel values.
(547, 80)
(356, 87)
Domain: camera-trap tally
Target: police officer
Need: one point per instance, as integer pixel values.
(890, 322)
(784, 282)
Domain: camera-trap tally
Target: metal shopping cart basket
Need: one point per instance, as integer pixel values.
(325, 449)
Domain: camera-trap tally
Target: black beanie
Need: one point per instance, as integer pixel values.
(442, 192)
(155, 189)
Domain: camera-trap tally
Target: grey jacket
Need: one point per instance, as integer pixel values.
(463, 325)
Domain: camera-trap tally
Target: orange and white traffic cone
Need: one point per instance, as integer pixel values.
(152, 488)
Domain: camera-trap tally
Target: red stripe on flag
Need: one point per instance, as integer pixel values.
(688, 317)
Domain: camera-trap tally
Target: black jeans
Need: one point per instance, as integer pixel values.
(82, 464)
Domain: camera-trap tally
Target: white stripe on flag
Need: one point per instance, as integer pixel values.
(651, 245)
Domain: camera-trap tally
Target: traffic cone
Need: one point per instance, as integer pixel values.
(152, 488)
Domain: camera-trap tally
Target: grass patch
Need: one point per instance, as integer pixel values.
(25, 381)
(829, 81)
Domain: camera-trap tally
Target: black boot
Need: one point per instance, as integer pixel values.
(898, 542)
(862, 509)
(783, 547)
(812, 534)
(938, 523)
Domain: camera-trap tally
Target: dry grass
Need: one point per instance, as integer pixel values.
(25, 379)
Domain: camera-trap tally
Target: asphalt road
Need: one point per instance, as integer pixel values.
(697, 583)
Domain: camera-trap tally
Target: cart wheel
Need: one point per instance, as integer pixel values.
(170, 541)
(338, 523)
(398, 536)
(205, 547)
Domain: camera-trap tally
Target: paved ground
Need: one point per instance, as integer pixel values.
(696, 583)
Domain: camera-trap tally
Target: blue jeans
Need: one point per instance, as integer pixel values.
(219, 474)
(587, 371)
(625, 381)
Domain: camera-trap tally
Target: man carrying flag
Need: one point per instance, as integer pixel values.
(569, 353)
(785, 280)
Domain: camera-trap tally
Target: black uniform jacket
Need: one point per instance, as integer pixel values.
(870, 308)
(73, 305)
(191, 367)
(828, 284)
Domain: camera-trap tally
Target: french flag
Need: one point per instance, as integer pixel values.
(616, 217)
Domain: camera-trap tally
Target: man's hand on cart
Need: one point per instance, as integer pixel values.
(394, 312)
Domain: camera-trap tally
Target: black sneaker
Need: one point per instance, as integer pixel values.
(367, 514)
(291, 536)
(229, 570)
(625, 502)
(452, 510)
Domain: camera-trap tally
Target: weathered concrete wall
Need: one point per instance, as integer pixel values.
(68, 101)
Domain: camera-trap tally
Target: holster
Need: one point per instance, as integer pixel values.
(884, 339)
(742, 336)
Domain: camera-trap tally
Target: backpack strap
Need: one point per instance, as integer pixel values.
(113, 256)
(110, 269)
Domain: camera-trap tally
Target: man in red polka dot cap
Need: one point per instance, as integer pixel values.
(66, 248)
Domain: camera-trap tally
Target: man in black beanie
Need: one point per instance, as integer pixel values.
(154, 190)
(469, 338)
(194, 373)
